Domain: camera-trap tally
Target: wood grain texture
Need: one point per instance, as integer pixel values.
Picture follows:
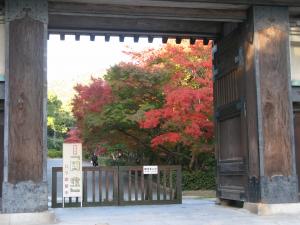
(1, 144)
(297, 142)
(272, 51)
(131, 11)
(230, 139)
(251, 101)
(231, 131)
(203, 3)
(63, 23)
(26, 87)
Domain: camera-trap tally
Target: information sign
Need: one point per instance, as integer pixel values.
(72, 170)
(150, 169)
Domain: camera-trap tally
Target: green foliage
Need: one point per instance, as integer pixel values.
(53, 153)
(58, 122)
(198, 180)
(202, 179)
(55, 143)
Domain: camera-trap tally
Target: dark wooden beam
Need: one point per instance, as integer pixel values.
(130, 27)
(146, 12)
(240, 2)
(92, 37)
(193, 3)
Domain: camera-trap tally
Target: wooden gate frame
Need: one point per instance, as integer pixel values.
(119, 174)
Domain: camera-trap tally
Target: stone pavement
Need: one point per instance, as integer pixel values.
(193, 211)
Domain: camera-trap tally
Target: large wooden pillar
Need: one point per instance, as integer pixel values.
(254, 120)
(270, 57)
(2, 72)
(25, 178)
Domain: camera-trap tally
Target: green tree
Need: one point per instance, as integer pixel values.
(58, 122)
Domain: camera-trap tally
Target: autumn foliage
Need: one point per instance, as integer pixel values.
(160, 102)
(186, 114)
(91, 98)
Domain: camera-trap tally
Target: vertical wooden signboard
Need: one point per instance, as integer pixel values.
(72, 171)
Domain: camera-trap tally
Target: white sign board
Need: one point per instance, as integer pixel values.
(72, 170)
(150, 169)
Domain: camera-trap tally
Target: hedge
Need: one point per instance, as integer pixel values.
(198, 180)
(53, 153)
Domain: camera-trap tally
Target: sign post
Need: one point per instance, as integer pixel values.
(72, 171)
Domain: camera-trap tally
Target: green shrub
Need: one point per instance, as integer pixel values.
(198, 180)
(53, 153)
(202, 178)
(55, 143)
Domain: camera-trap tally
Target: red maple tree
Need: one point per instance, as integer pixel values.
(186, 115)
(90, 98)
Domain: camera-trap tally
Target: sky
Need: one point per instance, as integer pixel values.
(71, 62)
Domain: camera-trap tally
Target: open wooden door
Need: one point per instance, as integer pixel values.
(1, 144)
(230, 118)
(297, 138)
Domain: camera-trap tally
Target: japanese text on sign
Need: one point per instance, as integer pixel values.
(72, 170)
(150, 169)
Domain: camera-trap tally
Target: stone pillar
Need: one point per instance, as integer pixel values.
(25, 153)
(268, 60)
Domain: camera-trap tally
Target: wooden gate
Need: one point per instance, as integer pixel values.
(124, 185)
(297, 139)
(230, 118)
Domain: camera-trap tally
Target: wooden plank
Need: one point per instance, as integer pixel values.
(158, 184)
(85, 190)
(106, 186)
(121, 186)
(143, 186)
(129, 185)
(1, 146)
(115, 185)
(232, 167)
(179, 185)
(170, 185)
(297, 141)
(136, 187)
(142, 27)
(100, 185)
(165, 183)
(150, 12)
(209, 4)
(54, 188)
(150, 189)
(26, 100)
(93, 186)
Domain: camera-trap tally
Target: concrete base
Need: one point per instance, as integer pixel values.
(272, 209)
(24, 197)
(47, 217)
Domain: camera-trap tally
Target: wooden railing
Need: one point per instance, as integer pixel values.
(138, 188)
(124, 185)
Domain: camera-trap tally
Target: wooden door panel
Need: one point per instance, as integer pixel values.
(230, 140)
(230, 123)
(297, 140)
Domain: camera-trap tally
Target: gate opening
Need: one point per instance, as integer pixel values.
(119, 183)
